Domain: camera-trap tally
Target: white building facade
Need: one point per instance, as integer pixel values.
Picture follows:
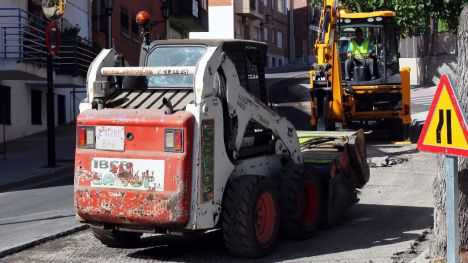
(23, 73)
(259, 20)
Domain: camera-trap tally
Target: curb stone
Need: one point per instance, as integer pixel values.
(27, 245)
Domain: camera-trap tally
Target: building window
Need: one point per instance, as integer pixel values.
(61, 110)
(204, 4)
(273, 35)
(5, 105)
(273, 62)
(265, 34)
(280, 6)
(280, 62)
(253, 4)
(36, 107)
(238, 29)
(255, 33)
(279, 39)
(135, 33)
(99, 17)
(124, 24)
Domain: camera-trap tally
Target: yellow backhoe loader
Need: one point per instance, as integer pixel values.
(348, 87)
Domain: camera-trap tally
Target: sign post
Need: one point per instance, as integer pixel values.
(451, 200)
(445, 132)
(53, 10)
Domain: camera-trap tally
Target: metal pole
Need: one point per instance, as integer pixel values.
(292, 40)
(4, 131)
(109, 28)
(50, 113)
(451, 170)
(74, 104)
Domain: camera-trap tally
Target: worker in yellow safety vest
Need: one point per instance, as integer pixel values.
(360, 53)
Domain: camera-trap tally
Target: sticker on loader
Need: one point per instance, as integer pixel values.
(134, 174)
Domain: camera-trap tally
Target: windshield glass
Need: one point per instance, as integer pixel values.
(173, 56)
(380, 33)
(373, 35)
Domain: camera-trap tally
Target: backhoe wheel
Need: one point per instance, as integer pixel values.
(250, 216)
(397, 131)
(301, 201)
(115, 238)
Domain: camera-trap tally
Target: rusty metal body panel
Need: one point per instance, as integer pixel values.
(97, 200)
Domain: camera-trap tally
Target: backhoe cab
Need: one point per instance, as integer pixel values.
(375, 90)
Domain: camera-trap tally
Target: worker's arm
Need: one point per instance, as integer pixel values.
(350, 50)
(370, 50)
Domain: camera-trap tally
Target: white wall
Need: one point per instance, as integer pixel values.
(21, 108)
(77, 12)
(220, 23)
(23, 4)
(417, 69)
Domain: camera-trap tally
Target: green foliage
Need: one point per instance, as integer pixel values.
(413, 16)
(443, 26)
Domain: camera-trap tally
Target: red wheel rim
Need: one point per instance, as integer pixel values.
(266, 216)
(309, 203)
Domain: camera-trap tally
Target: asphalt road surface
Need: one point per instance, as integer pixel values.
(36, 212)
(395, 208)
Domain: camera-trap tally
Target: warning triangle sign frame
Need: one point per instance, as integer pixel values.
(445, 81)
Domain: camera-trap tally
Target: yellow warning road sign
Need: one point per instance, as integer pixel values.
(445, 130)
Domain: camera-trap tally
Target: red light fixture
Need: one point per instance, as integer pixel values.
(86, 137)
(81, 137)
(174, 140)
(143, 18)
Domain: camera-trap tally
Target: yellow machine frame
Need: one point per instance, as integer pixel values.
(328, 72)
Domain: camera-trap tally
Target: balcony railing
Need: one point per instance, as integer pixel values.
(22, 38)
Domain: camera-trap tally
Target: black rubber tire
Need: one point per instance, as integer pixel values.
(291, 189)
(396, 130)
(239, 216)
(115, 238)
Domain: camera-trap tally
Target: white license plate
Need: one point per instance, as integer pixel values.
(110, 138)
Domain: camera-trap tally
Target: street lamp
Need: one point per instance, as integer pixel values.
(165, 11)
(109, 6)
(165, 14)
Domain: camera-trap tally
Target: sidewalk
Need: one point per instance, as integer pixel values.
(26, 158)
(421, 99)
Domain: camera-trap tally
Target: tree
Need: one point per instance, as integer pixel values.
(438, 246)
(414, 17)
